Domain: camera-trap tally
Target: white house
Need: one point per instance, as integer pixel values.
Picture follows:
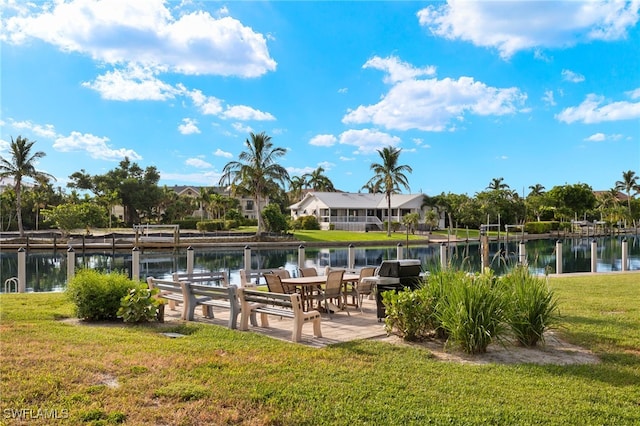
(247, 204)
(356, 211)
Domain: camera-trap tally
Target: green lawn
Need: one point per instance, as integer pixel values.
(220, 376)
(347, 236)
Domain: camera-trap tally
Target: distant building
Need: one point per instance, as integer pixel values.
(247, 203)
(356, 211)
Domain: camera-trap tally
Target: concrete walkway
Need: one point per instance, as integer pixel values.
(336, 328)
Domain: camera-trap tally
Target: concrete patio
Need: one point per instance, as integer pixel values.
(336, 328)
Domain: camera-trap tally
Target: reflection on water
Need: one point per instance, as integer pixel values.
(47, 271)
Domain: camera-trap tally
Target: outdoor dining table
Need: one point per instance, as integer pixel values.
(307, 284)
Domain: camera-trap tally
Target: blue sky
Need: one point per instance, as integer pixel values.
(533, 92)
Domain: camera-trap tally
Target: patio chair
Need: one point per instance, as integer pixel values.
(363, 287)
(333, 290)
(307, 272)
(275, 284)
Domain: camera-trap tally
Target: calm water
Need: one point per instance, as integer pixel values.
(47, 271)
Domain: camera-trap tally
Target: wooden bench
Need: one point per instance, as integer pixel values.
(170, 291)
(212, 278)
(278, 304)
(209, 297)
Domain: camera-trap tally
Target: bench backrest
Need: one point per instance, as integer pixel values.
(164, 285)
(215, 277)
(224, 293)
(274, 299)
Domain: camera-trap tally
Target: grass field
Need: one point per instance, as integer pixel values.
(106, 374)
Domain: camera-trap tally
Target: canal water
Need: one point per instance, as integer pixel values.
(47, 270)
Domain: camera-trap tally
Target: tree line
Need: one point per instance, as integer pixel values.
(257, 174)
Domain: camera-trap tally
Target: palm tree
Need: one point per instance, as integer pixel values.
(388, 176)
(318, 181)
(296, 184)
(628, 183)
(257, 169)
(22, 165)
(496, 183)
(536, 189)
(370, 188)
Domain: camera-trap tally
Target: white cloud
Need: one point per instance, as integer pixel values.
(133, 83)
(596, 137)
(95, 146)
(241, 128)
(326, 165)
(432, 104)
(368, 141)
(571, 76)
(341, 158)
(188, 43)
(514, 26)
(397, 70)
(46, 131)
(197, 163)
(299, 171)
(420, 142)
(592, 110)
(323, 140)
(208, 105)
(189, 126)
(548, 98)
(221, 153)
(503, 157)
(634, 94)
(343, 90)
(245, 113)
(600, 137)
(4, 146)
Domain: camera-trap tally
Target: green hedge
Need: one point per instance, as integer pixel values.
(187, 223)
(541, 227)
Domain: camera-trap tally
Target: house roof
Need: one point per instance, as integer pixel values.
(344, 200)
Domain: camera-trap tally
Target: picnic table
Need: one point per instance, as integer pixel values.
(308, 284)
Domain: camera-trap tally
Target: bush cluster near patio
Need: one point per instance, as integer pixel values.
(473, 310)
(108, 374)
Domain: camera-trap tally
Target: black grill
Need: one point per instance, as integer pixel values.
(408, 273)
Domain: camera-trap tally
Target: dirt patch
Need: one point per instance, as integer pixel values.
(554, 351)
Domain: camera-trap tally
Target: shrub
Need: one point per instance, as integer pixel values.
(532, 307)
(96, 295)
(540, 227)
(188, 223)
(210, 225)
(472, 312)
(409, 312)
(274, 220)
(307, 223)
(140, 305)
(231, 224)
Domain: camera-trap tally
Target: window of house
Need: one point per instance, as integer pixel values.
(249, 205)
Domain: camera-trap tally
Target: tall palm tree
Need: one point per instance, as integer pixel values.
(496, 183)
(370, 188)
(296, 184)
(318, 181)
(536, 189)
(389, 175)
(257, 169)
(21, 165)
(628, 183)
